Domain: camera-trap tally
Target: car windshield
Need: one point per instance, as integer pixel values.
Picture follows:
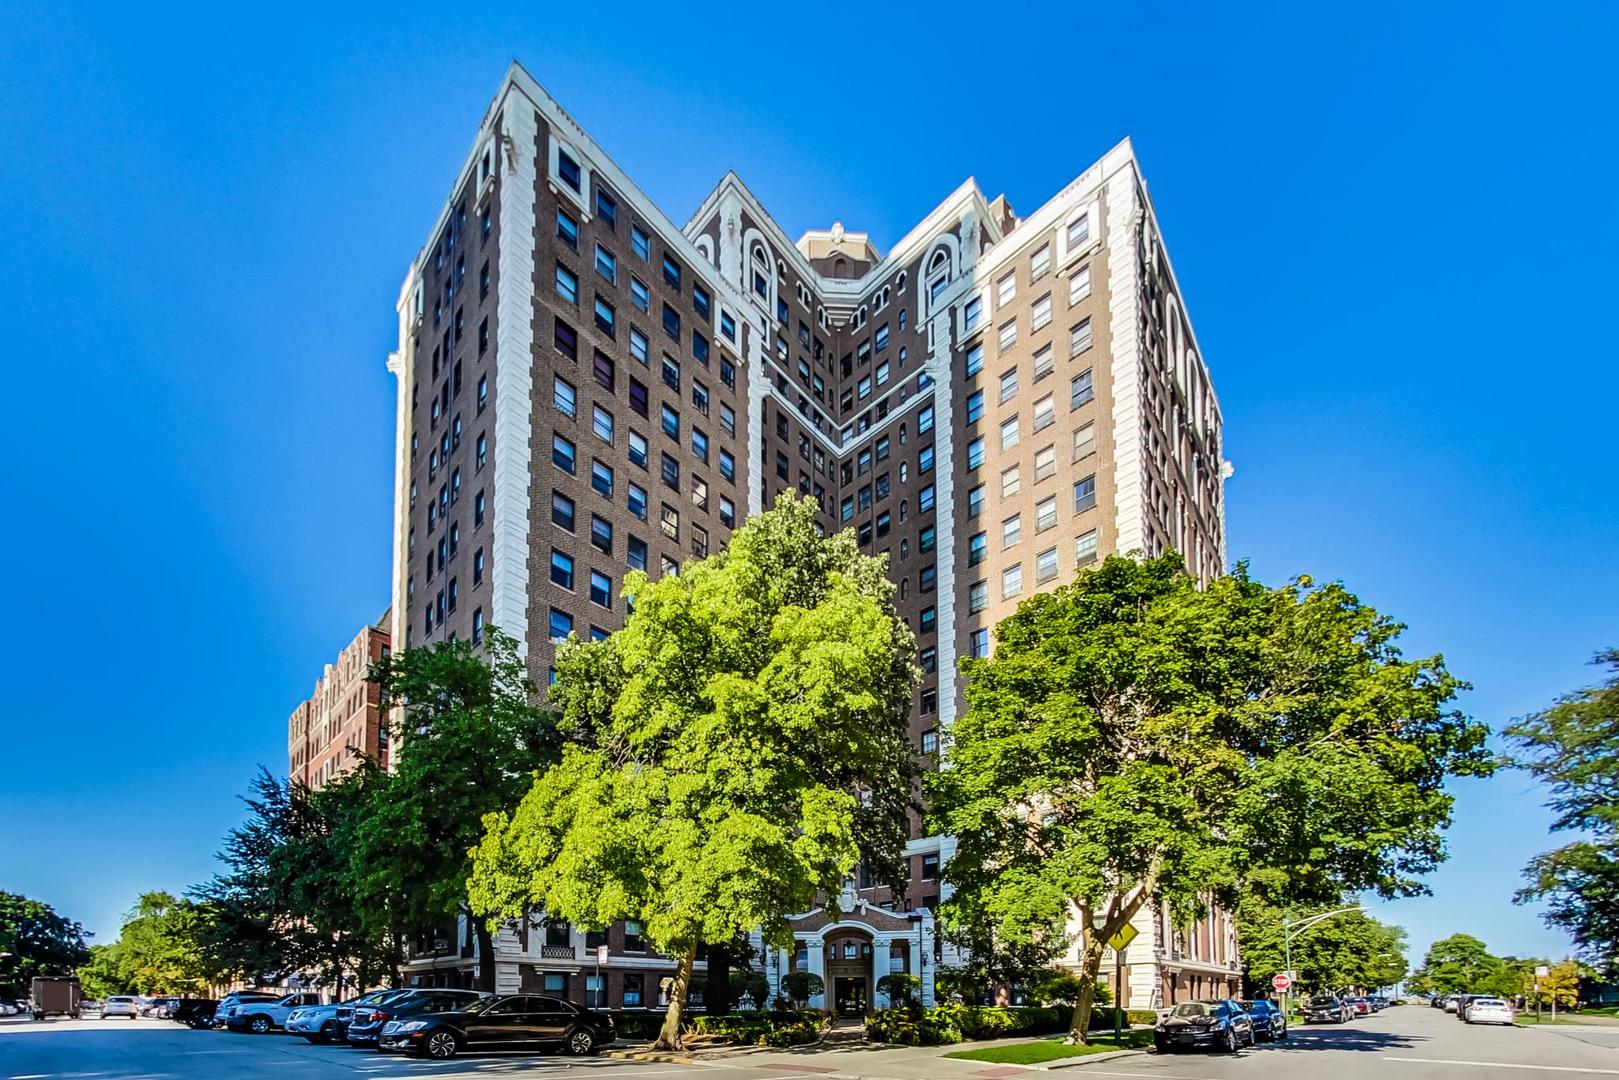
(1190, 1009)
(1323, 1001)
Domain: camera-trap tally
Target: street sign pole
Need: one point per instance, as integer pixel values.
(1118, 996)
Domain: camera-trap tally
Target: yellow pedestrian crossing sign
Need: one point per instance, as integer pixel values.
(1126, 934)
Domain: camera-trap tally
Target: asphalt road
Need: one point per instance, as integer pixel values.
(1406, 1043)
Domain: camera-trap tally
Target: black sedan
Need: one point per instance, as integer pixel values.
(1211, 1025)
(499, 1023)
(1270, 1023)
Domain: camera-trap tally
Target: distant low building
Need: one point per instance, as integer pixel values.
(342, 721)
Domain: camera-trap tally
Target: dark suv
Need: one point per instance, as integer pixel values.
(1270, 1023)
(368, 1021)
(497, 1023)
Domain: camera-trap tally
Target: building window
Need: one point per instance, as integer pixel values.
(924, 500)
(601, 589)
(640, 242)
(561, 625)
(568, 169)
(1008, 384)
(924, 420)
(1045, 514)
(606, 318)
(637, 501)
(971, 312)
(727, 512)
(1045, 463)
(977, 549)
(566, 340)
(1045, 413)
(930, 867)
(669, 521)
(561, 569)
(606, 209)
(1011, 530)
(1079, 285)
(928, 579)
(670, 421)
(1045, 565)
(601, 423)
(1040, 263)
(1011, 581)
(975, 406)
(1006, 289)
(929, 620)
(601, 479)
(477, 626)
(638, 448)
(1041, 313)
(975, 501)
(477, 567)
(633, 941)
(567, 284)
(1008, 335)
(1084, 441)
(671, 322)
(1085, 548)
(561, 510)
(1085, 494)
(978, 644)
(635, 553)
(638, 346)
(929, 660)
(1079, 338)
(975, 453)
(562, 454)
(482, 452)
(671, 472)
(563, 396)
(1009, 432)
(1080, 390)
(567, 229)
(977, 596)
(601, 534)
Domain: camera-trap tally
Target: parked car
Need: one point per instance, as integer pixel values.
(1450, 1002)
(368, 1022)
(500, 1022)
(194, 1012)
(318, 1023)
(1462, 1003)
(1360, 1005)
(230, 1003)
(1327, 1009)
(1490, 1010)
(1437, 1001)
(263, 1017)
(160, 1007)
(1270, 1023)
(344, 1014)
(1217, 1025)
(120, 1005)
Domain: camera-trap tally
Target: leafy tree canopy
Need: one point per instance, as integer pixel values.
(1136, 737)
(161, 949)
(1573, 747)
(739, 745)
(35, 941)
(1352, 949)
(1462, 964)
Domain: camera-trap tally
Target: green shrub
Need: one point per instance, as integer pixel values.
(1142, 1016)
(637, 1023)
(760, 1028)
(951, 1023)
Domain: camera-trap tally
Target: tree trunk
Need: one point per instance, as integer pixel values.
(486, 956)
(1079, 1029)
(717, 982)
(669, 1036)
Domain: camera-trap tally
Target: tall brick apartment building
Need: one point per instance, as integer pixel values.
(586, 387)
(342, 720)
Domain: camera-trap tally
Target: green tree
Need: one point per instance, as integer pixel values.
(1573, 747)
(1352, 949)
(900, 988)
(800, 986)
(1462, 964)
(161, 949)
(739, 745)
(1135, 737)
(35, 940)
(469, 746)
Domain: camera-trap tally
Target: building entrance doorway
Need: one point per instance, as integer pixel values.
(849, 994)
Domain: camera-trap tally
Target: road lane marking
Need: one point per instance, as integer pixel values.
(1502, 1065)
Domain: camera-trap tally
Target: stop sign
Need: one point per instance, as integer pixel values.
(1280, 982)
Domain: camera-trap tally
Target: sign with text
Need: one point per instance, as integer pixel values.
(1280, 982)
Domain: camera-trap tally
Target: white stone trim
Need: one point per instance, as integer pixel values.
(1123, 216)
(514, 377)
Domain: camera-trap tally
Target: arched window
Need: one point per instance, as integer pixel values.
(840, 268)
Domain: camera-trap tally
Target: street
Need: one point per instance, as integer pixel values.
(1405, 1043)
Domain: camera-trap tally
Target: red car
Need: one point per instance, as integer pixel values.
(1361, 1006)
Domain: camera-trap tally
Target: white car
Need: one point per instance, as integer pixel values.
(263, 1017)
(1489, 1010)
(121, 1005)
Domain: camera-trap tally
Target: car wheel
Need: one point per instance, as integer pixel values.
(259, 1025)
(1230, 1040)
(440, 1045)
(581, 1042)
(327, 1030)
(1160, 1045)
(1282, 1034)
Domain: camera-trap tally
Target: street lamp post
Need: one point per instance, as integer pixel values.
(1291, 927)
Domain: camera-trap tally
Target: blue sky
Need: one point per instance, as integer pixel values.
(1394, 226)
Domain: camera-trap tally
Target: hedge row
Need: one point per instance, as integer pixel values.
(944, 1024)
(762, 1028)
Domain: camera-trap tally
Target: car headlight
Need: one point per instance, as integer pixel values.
(411, 1025)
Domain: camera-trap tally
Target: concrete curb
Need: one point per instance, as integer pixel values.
(665, 1056)
(1089, 1059)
